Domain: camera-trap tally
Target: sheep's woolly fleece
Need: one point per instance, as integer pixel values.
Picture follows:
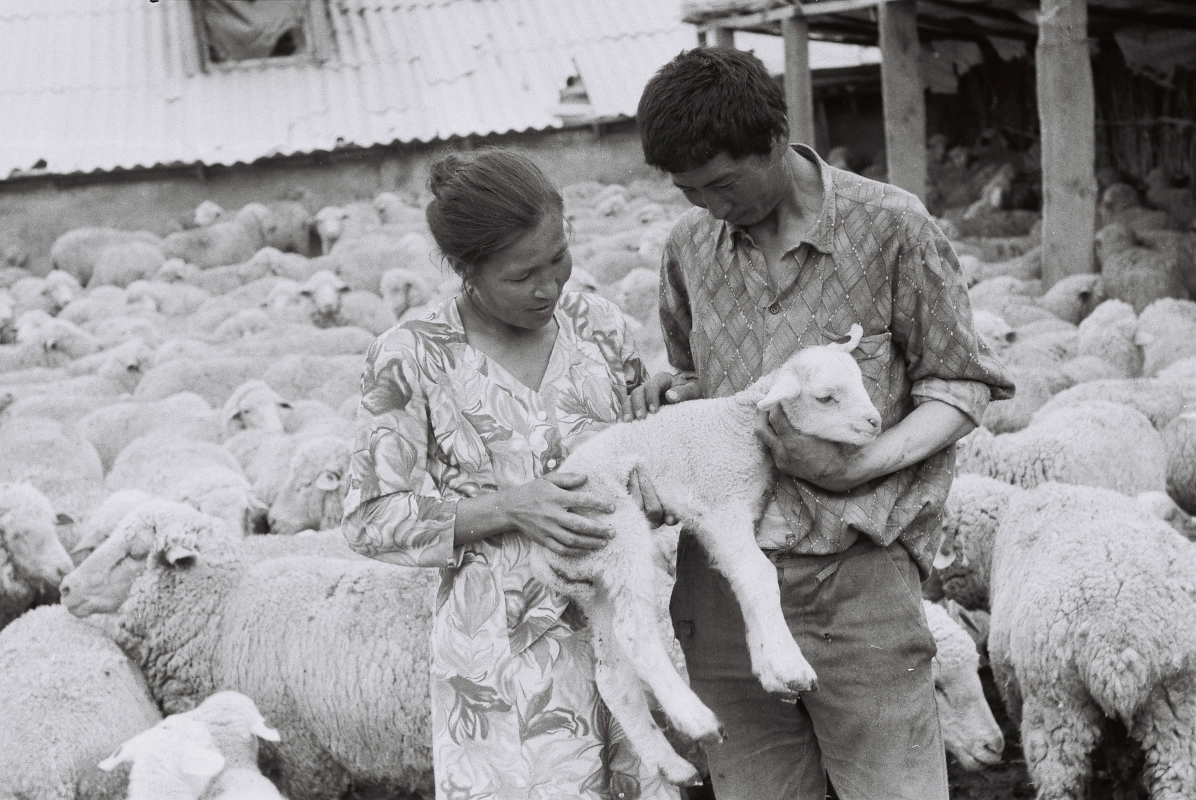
(69, 697)
(32, 560)
(1094, 615)
(345, 683)
(970, 518)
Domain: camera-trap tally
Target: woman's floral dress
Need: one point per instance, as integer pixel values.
(515, 711)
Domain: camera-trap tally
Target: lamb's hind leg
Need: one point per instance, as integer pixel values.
(631, 600)
(727, 534)
(1059, 733)
(1166, 727)
(623, 693)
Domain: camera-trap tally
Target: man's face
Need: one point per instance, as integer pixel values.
(743, 191)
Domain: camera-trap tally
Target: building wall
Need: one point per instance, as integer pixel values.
(35, 212)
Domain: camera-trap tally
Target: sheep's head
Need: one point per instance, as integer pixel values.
(993, 330)
(1119, 197)
(176, 270)
(27, 535)
(970, 518)
(102, 583)
(970, 733)
(235, 724)
(175, 758)
(330, 224)
(61, 287)
(127, 363)
(253, 405)
(207, 213)
(636, 293)
(254, 217)
(313, 493)
(403, 288)
(821, 391)
(324, 289)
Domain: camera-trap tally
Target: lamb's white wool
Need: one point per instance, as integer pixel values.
(708, 467)
(174, 760)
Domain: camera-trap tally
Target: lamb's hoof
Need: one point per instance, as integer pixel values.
(715, 736)
(680, 772)
(695, 721)
(799, 677)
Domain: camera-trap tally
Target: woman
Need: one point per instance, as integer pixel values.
(464, 415)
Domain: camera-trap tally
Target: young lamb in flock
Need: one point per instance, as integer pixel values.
(1093, 605)
(709, 469)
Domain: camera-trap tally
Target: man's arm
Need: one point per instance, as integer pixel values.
(835, 467)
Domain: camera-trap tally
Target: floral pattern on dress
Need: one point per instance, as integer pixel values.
(515, 710)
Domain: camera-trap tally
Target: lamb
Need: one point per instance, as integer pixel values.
(1160, 400)
(213, 379)
(121, 264)
(636, 294)
(403, 288)
(332, 223)
(49, 294)
(1179, 438)
(174, 760)
(334, 303)
(970, 733)
(311, 494)
(1167, 333)
(245, 323)
(230, 241)
(112, 428)
(253, 406)
(329, 379)
(171, 299)
(362, 260)
(206, 213)
(69, 697)
(1094, 615)
(96, 304)
(1095, 443)
(1110, 333)
(32, 560)
(118, 374)
(76, 251)
(709, 469)
(287, 340)
(1134, 273)
(200, 474)
(198, 616)
(59, 463)
(59, 337)
(235, 724)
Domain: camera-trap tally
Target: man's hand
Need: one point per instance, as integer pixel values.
(829, 465)
(662, 388)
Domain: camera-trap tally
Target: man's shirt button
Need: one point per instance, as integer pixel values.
(775, 308)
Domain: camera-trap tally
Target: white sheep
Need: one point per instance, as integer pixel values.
(311, 493)
(236, 724)
(1135, 273)
(1167, 333)
(348, 221)
(1179, 438)
(1165, 508)
(112, 428)
(77, 250)
(970, 733)
(1160, 400)
(1110, 333)
(1034, 389)
(637, 294)
(1094, 616)
(245, 323)
(32, 560)
(403, 288)
(121, 264)
(709, 469)
(50, 294)
(100, 303)
(993, 330)
(335, 303)
(69, 697)
(200, 474)
(1095, 443)
(118, 372)
(207, 212)
(170, 299)
(61, 464)
(103, 519)
(362, 260)
(198, 616)
(176, 759)
(213, 379)
(329, 379)
(287, 340)
(228, 241)
(253, 406)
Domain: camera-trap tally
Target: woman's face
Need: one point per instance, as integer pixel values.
(520, 284)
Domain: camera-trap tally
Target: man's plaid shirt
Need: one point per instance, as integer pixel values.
(875, 257)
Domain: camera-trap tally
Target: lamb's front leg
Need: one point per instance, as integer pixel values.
(727, 535)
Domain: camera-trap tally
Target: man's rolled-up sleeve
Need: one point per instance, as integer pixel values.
(932, 320)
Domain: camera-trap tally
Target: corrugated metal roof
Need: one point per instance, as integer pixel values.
(97, 85)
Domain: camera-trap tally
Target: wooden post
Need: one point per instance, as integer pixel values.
(723, 37)
(903, 98)
(1067, 116)
(799, 87)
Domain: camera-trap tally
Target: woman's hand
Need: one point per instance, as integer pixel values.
(662, 388)
(644, 495)
(545, 511)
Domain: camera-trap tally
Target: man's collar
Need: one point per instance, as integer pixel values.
(821, 235)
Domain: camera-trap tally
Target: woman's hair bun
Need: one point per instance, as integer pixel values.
(443, 171)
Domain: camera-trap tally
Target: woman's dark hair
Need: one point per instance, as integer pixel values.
(484, 201)
(708, 101)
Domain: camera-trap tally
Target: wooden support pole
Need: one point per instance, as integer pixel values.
(1067, 117)
(723, 37)
(799, 86)
(902, 96)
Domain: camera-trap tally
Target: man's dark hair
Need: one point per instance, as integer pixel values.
(708, 101)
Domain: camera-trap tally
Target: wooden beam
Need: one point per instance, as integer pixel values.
(1067, 116)
(799, 85)
(902, 96)
(723, 37)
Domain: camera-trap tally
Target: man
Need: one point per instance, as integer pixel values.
(783, 252)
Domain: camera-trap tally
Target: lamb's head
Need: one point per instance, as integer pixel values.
(324, 289)
(63, 340)
(176, 270)
(103, 582)
(102, 520)
(207, 213)
(1119, 197)
(1074, 297)
(312, 496)
(61, 288)
(821, 391)
(126, 363)
(404, 288)
(330, 224)
(253, 405)
(235, 723)
(993, 330)
(175, 758)
(254, 217)
(30, 552)
(970, 733)
(970, 518)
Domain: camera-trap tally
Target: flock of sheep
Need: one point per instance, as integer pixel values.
(169, 400)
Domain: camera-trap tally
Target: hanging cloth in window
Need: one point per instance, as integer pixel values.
(241, 29)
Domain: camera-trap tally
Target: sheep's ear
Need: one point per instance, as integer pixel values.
(113, 761)
(943, 560)
(260, 729)
(180, 555)
(89, 542)
(784, 387)
(853, 338)
(328, 481)
(200, 762)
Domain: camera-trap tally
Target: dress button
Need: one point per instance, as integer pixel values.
(775, 308)
(550, 463)
(542, 415)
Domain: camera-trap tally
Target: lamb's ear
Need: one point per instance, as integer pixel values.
(179, 555)
(200, 762)
(64, 519)
(260, 729)
(784, 387)
(943, 560)
(328, 481)
(113, 761)
(854, 334)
